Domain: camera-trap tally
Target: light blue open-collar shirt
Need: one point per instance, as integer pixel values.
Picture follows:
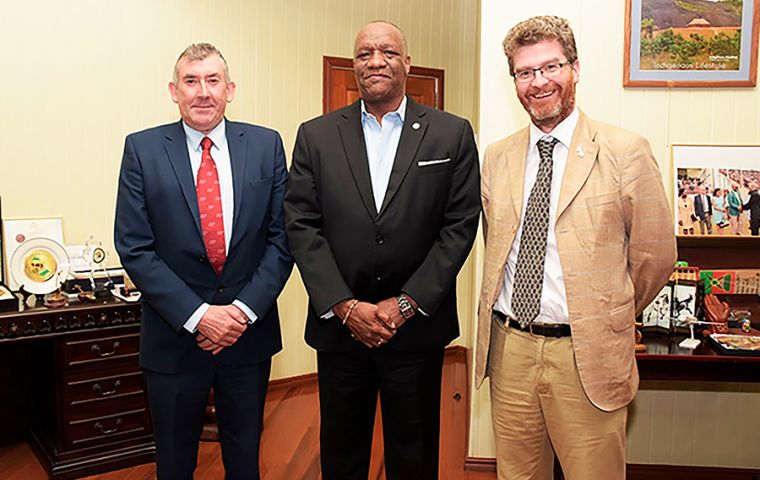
(382, 143)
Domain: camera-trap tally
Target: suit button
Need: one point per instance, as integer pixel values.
(379, 240)
(220, 290)
(378, 278)
(202, 259)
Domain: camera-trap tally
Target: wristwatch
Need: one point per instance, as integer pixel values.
(406, 309)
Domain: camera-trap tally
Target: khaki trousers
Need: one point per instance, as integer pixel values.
(733, 223)
(539, 406)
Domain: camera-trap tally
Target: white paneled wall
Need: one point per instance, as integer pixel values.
(79, 75)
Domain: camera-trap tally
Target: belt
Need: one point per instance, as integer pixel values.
(556, 330)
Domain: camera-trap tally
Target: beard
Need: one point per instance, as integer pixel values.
(555, 112)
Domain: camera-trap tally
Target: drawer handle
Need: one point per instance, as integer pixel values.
(99, 427)
(97, 388)
(96, 348)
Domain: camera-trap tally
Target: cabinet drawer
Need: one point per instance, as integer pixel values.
(104, 408)
(106, 429)
(98, 350)
(93, 388)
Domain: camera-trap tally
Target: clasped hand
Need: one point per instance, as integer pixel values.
(220, 327)
(372, 325)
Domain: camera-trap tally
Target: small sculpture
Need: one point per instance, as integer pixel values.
(716, 312)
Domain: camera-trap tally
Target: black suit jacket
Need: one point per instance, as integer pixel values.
(700, 210)
(753, 205)
(158, 236)
(415, 244)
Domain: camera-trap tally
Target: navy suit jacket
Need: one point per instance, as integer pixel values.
(158, 236)
(700, 210)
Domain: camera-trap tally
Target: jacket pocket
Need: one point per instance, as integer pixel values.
(622, 317)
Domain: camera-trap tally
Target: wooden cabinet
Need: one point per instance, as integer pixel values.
(725, 253)
(89, 409)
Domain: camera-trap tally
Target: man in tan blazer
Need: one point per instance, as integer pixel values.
(579, 239)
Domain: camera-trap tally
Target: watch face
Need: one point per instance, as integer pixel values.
(98, 255)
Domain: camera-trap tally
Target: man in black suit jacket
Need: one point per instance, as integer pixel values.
(382, 210)
(753, 205)
(703, 211)
(200, 229)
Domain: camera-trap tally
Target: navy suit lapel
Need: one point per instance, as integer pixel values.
(411, 136)
(176, 148)
(236, 143)
(352, 137)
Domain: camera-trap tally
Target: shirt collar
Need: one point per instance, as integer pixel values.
(562, 132)
(217, 135)
(400, 111)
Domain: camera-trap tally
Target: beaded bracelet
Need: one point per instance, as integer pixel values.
(350, 309)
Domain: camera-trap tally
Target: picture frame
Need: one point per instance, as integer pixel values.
(713, 167)
(683, 304)
(691, 43)
(657, 315)
(17, 231)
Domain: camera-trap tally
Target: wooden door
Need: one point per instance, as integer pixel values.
(424, 85)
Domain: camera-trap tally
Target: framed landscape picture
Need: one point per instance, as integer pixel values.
(691, 43)
(712, 185)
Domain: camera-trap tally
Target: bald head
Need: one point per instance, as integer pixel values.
(383, 26)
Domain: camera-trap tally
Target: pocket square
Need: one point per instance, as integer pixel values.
(427, 163)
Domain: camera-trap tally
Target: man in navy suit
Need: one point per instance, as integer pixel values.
(703, 211)
(200, 229)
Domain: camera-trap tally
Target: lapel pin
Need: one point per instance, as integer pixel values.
(580, 151)
(416, 126)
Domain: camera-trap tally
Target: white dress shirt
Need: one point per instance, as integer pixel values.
(220, 152)
(553, 307)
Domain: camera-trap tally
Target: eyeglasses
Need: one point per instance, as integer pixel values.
(550, 70)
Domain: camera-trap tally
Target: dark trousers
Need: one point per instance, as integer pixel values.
(178, 404)
(410, 398)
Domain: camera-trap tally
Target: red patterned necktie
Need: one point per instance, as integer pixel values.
(210, 206)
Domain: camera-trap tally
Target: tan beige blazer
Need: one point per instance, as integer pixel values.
(616, 244)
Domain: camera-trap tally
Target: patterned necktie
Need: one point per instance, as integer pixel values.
(529, 273)
(210, 206)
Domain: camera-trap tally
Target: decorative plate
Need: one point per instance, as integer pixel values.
(39, 265)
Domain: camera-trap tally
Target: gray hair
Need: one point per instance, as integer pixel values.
(199, 51)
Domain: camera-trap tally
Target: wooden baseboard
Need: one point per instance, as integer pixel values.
(635, 471)
(479, 464)
(296, 381)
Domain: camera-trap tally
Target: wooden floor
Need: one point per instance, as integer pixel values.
(290, 440)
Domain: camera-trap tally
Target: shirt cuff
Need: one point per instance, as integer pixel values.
(422, 312)
(327, 314)
(192, 323)
(252, 317)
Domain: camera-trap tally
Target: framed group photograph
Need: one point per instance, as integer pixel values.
(691, 43)
(714, 187)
